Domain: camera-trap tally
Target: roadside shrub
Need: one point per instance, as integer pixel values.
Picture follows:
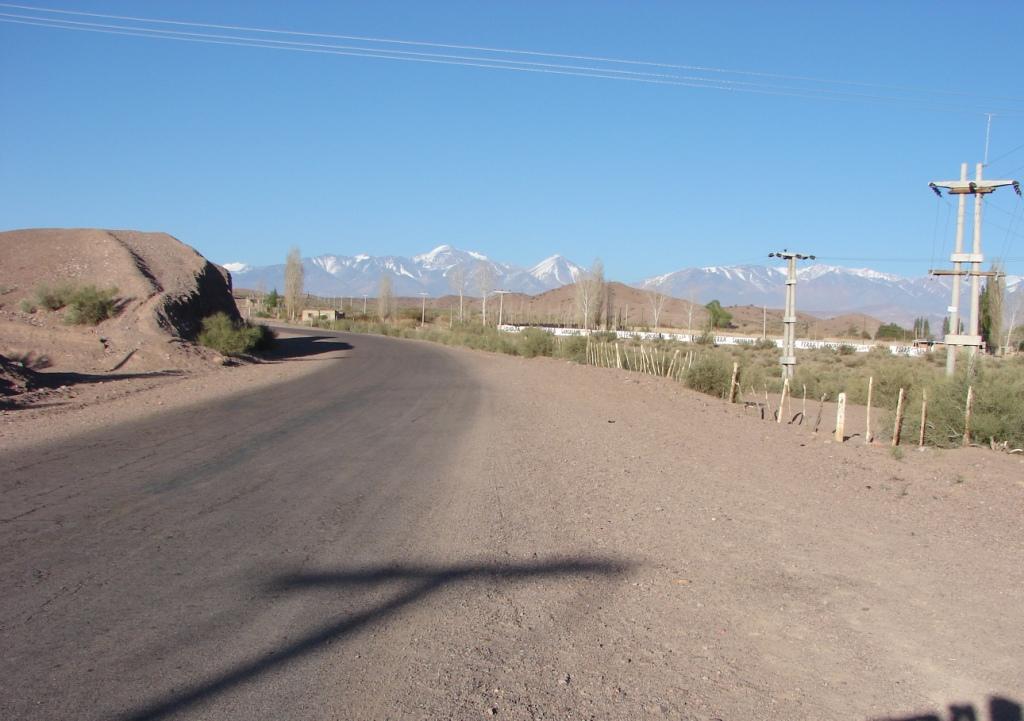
(411, 313)
(764, 344)
(710, 375)
(534, 342)
(27, 306)
(998, 411)
(573, 348)
(90, 305)
(54, 298)
(229, 338)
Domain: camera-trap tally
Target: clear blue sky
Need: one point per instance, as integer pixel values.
(242, 152)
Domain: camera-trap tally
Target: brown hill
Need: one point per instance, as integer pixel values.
(164, 289)
(633, 308)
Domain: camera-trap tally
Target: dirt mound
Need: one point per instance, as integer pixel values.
(164, 289)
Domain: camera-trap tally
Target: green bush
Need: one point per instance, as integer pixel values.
(89, 305)
(536, 342)
(229, 338)
(573, 347)
(998, 411)
(27, 306)
(709, 374)
(54, 298)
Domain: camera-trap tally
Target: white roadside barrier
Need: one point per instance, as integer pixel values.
(904, 350)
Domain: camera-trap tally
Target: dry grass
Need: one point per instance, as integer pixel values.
(998, 384)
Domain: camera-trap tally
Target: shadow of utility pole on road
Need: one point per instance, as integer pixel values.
(425, 580)
(999, 709)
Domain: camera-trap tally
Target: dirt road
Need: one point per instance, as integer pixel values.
(420, 532)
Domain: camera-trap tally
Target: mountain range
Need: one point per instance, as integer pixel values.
(821, 289)
(435, 273)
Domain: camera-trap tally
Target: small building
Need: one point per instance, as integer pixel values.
(310, 315)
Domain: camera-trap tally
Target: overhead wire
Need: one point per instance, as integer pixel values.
(504, 51)
(1014, 218)
(935, 229)
(716, 83)
(995, 160)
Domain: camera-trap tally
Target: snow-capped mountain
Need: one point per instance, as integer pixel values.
(436, 272)
(821, 290)
(556, 271)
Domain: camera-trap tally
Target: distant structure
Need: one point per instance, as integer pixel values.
(978, 188)
(312, 314)
(788, 359)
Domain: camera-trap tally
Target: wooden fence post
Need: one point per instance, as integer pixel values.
(733, 385)
(782, 400)
(924, 417)
(821, 407)
(618, 360)
(867, 431)
(897, 427)
(967, 415)
(841, 418)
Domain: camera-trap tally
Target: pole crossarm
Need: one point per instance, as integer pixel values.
(972, 187)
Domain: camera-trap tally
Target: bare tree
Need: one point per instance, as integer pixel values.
(385, 298)
(293, 280)
(457, 282)
(609, 307)
(590, 295)
(484, 277)
(657, 297)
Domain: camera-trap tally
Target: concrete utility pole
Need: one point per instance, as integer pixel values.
(788, 359)
(978, 188)
(364, 303)
(501, 303)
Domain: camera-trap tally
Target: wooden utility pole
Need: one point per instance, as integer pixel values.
(501, 303)
(978, 188)
(788, 359)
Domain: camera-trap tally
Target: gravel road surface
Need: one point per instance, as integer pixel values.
(412, 531)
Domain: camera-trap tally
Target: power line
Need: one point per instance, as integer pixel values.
(380, 55)
(508, 51)
(476, 61)
(1007, 153)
